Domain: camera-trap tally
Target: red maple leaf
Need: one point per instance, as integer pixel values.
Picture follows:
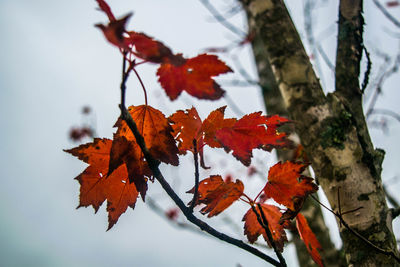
(287, 186)
(156, 131)
(114, 31)
(253, 229)
(188, 126)
(217, 194)
(106, 9)
(149, 49)
(193, 75)
(252, 131)
(309, 239)
(96, 187)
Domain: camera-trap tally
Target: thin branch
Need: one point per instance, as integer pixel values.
(366, 241)
(153, 165)
(387, 112)
(221, 19)
(367, 71)
(196, 175)
(233, 106)
(386, 13)
(158, 210)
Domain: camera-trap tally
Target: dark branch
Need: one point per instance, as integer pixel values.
(367, 71)
(196, 175)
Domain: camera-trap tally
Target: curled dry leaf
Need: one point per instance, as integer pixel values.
(96, 188)
(217, 194)
(253, 229)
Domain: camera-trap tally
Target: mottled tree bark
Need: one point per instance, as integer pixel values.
(331, 127)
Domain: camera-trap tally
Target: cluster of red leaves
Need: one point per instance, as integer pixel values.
(176, 73)
(118, 171)
(240, 136)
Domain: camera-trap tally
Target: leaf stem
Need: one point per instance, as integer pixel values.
(142, 84)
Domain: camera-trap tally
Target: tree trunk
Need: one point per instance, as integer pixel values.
(311, 210)
(331, 127)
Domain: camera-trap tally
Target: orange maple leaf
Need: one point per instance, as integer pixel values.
(287, 186)
(193, 75)
(217, 194)
(156, 131)
(250, 132)
(309, 239)
(96, 187)
(253, 229)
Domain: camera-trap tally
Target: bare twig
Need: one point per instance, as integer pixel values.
(387, 112)
(366, 241)
(196, 175)
(221, 19)
(367, 71)
(386, 13)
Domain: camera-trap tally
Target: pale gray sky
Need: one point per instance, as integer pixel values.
(53, 62)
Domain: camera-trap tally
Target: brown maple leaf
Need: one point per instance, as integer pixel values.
(253, 229)
(217, 194)
(250, 132)
(287, 186)
(309, 239)
(193, 75)
(96, 187)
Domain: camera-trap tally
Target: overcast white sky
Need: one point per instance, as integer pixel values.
(53, 62)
